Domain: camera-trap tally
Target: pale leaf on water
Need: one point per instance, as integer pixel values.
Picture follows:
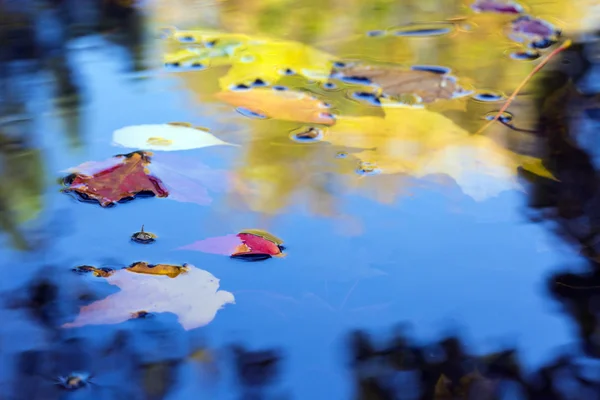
(194, 296)
(165, 137)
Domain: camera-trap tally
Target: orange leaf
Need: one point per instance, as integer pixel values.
(171, 271)
(285, 105)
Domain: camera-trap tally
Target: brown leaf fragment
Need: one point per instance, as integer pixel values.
(429, 86)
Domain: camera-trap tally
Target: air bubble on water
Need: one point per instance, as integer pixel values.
(287, 71)
(488, 96)
(307, 135)
(280, 88)
(250, 114)
(505, 117)
(341, 154)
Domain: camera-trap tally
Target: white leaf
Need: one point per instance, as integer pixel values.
(164, 137)
(193, 296)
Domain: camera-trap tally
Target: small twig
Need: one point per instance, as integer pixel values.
(562, 47)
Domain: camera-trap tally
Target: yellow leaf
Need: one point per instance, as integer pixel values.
(267, 61)
(419, 142)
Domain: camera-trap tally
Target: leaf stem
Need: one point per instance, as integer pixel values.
(514, 94)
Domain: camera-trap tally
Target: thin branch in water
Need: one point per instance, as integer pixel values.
(566, 44)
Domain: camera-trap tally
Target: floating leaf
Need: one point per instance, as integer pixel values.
(165, 137)
(118, 179)
(172, 271)
(428, 86)
(497, 6)
(243, 245)
(264, 234)
(286, 105)
(193, 296)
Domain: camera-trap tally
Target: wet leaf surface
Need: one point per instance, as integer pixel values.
(119, 179)
(428, 86)
(285, 105)
(165, 137)
(189, 292)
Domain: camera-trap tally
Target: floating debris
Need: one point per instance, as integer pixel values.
(307, 135)
(75, 380)
(367, 168)
(143, 237)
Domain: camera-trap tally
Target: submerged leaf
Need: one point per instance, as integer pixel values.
(118, 179)
(428, 86)
(418, 142)
(284, 105)
(165, 137)
(193, 296)
(497, 6)
(530, 29)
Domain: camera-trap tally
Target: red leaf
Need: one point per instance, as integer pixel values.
(258, 244)
(238, 245)
(125, 179)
